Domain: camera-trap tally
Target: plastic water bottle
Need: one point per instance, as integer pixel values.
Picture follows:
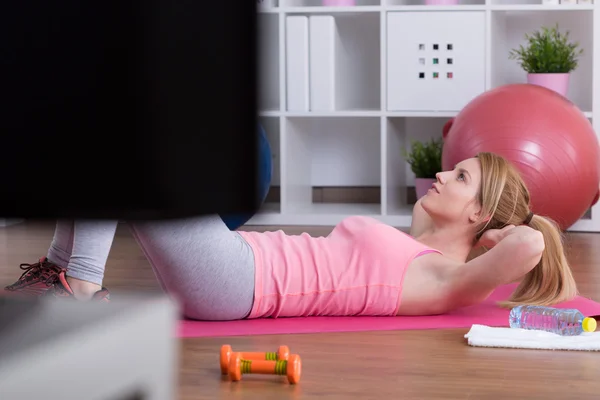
(564, 322)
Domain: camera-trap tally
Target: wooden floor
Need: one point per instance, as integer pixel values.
(432, 364)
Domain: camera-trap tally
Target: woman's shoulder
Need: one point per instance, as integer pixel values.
(424, 287)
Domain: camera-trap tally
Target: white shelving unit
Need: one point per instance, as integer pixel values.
(359, 143)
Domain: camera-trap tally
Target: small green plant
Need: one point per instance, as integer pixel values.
(425, 158)
(547, 51)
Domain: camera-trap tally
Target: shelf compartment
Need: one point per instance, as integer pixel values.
(336, 209)
(525, 6)
(321, 215)
(332, 166)
(268, 62)
(508, 29)
(322, 3)
(539, 4)
(431, 64)
(400, 180)
(333, 10)
(463, 3)
(336, 64)
(415, 5)
(353, 114)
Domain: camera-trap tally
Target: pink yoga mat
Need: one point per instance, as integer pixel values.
(485, 313)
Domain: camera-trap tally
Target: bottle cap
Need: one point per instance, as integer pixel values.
(588, 324)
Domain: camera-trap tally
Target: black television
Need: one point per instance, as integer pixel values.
(127, 109)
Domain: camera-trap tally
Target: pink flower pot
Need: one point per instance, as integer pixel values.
(422, 185)
(441, 2)
(557, 82)
(339, 3)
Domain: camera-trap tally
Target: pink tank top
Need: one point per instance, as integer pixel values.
(358, 269)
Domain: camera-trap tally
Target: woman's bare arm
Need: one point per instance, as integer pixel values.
(513, 257)
(435, 284)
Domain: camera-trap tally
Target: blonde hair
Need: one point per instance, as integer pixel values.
(505, 198)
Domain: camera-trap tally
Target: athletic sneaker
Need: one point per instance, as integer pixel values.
(37, 278)
(61, 289)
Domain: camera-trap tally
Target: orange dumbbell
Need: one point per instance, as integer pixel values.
(291, 368)
(281, 354)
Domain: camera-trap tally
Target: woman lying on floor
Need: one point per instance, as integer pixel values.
(363, 267)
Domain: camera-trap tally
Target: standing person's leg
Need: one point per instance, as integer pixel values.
(202, 264)
(75, 262)
(40, 276)
(61, 247)
(92, 241)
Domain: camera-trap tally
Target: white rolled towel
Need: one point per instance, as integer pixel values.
(486, 336)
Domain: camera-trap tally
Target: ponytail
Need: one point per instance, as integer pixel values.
(550, 281)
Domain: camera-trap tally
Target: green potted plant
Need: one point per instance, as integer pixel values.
(548, 58)
(425, 160)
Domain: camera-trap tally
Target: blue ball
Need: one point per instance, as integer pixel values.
(265, 172)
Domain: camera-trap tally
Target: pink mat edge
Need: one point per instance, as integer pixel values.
(485, 313)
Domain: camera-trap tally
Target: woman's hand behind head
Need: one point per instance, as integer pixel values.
(551, 281)
(492, 237)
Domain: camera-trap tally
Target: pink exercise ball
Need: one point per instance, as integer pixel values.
(544, 135)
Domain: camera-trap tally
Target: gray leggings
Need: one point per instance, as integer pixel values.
(198, 261)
